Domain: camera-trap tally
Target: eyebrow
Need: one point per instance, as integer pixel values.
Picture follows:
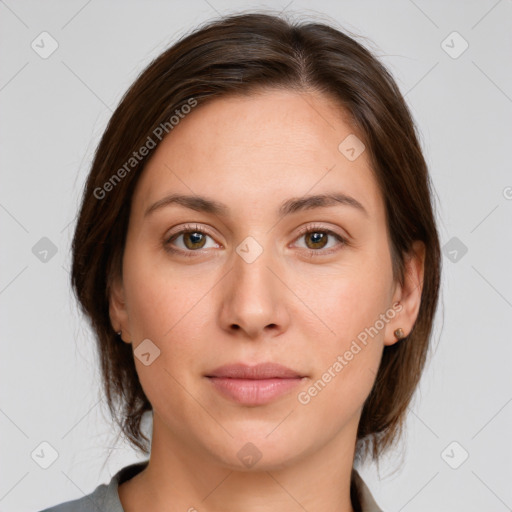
(293, 205)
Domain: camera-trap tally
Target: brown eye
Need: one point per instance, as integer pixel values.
(194, 239)
(188, 240)
(318, 239)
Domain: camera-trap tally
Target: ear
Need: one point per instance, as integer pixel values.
(117, 309)
(409, 295)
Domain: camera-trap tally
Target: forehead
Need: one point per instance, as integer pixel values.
(258, 150)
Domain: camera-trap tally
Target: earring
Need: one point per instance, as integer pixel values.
(399, 333)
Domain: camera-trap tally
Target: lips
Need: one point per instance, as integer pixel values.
(254, 385)
(259, 371)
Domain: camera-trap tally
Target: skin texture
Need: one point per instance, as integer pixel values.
(287, 306)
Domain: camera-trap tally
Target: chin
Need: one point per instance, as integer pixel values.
(258, 448)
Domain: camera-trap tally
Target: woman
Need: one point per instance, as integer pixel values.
(257, 253)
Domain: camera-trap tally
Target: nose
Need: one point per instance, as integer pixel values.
(253, 298)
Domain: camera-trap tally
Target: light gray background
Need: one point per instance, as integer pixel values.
(53, 112)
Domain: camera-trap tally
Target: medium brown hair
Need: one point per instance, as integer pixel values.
(241, 54)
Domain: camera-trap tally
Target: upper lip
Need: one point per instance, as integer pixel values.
(258, 371)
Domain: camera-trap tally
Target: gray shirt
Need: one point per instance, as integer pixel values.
(105, 497)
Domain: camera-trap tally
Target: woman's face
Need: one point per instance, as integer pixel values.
(241, 284)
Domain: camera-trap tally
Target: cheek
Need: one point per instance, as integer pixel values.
(351, 304)
(349, 356)
(168, 309)
(157, 299)
(345, 376)
(160, 310)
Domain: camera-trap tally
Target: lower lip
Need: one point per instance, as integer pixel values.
(253, 391)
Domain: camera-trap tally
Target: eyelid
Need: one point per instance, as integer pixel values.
(308, 228)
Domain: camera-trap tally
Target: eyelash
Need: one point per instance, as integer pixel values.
(304, 231)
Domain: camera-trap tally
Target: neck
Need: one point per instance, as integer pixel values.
(187, 479)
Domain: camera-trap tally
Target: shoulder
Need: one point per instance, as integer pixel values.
(366, 499)
(96, 500)
(104, 498)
